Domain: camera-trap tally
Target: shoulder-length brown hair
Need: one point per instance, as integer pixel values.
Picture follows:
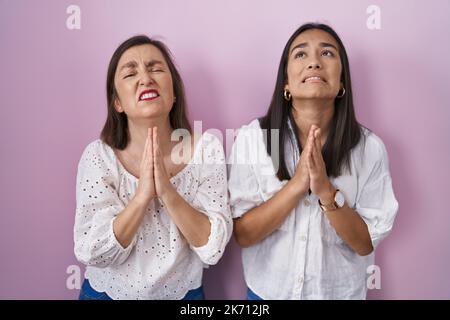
(115, 131)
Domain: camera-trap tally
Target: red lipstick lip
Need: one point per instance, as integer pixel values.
(148, 91)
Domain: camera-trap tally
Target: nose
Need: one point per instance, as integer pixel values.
(314, 65)
(145, 79)
(314, 62)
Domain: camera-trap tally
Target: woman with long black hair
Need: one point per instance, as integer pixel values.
(310, 189)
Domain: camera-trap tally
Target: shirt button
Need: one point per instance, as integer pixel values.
(303, 238)
(306, 203)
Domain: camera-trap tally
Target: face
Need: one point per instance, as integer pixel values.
(314, 66)
(143, 83)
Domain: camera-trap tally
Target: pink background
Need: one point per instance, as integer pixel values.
(52, 98)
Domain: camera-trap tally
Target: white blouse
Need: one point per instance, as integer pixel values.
(159, 263)
(305, 258)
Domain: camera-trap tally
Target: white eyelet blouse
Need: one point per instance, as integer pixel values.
(305, 258)
(159, 263)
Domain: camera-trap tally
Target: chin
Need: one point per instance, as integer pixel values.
(312, 97)
(316, 95)
(154, 111)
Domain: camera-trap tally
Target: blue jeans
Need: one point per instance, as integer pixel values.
(252, 296)
(89, 293)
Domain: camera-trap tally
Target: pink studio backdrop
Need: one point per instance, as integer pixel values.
(52, 99)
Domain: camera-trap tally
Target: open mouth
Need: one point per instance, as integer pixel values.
(148, 95)
(314, 79)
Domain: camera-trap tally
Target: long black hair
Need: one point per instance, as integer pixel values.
(345, 131)
(115, 131)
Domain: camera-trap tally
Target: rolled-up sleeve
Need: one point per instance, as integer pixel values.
(376, 203)
(97, 205)
(243, 186)
(212, 199)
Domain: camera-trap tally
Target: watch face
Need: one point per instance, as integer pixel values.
(340, 200)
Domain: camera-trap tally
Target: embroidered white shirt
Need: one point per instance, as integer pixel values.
(305, 258)
(159, 263)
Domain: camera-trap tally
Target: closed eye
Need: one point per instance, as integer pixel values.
(129, 75)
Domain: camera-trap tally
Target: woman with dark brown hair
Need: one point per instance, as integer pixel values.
(313, 200)
(147, 219)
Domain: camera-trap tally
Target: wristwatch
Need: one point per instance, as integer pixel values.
(338, 202)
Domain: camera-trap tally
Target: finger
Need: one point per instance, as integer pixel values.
(317, 139)
(155, 140)
(307, 148)
(157, 159)
(317, 155)
(311, 151)
(313, 144)
(150, 148)
(144, 154)
(310, 163)
(143, 164)
(311, 139)
(155, 143)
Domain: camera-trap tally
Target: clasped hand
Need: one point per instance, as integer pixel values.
(154, 181)
(311, 170)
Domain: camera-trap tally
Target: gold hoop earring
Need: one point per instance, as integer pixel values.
(287, 95)
(342, 94)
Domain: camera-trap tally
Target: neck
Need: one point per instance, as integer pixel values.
(307, 112)
(139, 132)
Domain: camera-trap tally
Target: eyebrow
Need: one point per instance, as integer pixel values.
(133, 64)
(322, 44)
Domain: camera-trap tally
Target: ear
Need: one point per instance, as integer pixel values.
(118, 105)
